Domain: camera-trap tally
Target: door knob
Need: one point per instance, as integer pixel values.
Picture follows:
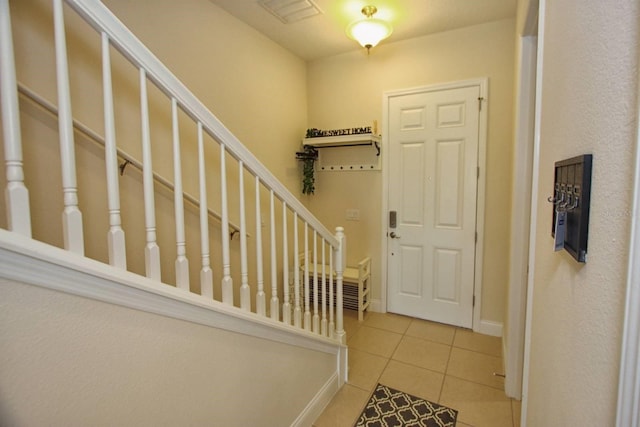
(393, 235)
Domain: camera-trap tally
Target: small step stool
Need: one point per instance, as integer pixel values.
(356, 289)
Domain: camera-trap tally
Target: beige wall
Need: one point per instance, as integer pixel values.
(589, 105)
(72, 361)
(346, 91)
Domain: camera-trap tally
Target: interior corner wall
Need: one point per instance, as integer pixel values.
(588, 105)
(346, 91)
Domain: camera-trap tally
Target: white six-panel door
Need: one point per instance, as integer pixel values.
(433, 171)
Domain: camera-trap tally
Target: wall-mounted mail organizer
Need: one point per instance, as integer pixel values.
(572, 191)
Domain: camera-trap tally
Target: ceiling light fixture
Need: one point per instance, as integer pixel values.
(369, 31)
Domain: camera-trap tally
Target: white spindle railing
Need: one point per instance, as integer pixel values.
(261, 304)
(275, 303)
(115, 35)
(286, 305)
(297, 311)
(323, 324)
(245, 291)
(316, 317)
(115, 236)
(16, 193)
(339, 256)
(71, 216)
(227, 282)
(151, 250)
(307, 296)
(332, 323)
(182, 263)
(206, 274)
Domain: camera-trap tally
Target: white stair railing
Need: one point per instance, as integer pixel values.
(183, 103)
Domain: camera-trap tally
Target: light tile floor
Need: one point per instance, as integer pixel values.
(440, 363)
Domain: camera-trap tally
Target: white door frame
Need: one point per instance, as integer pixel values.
(483, 84)
(628, 408)
(534, 213)
(513, 341)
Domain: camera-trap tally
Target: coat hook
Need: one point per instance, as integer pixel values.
(123, 166)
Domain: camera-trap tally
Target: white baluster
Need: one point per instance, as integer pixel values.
(181, 264)
(307, 313)
(115, 235)
(151, 250)
(206, 274)
(245, 291)
(261, 304)
(227, 282)
(16, 193)
(323, 322)
(332, 324)
(297, 312)
(316, 317)
(71, 217)
(340, 258)
(286, 305)
(275, 302)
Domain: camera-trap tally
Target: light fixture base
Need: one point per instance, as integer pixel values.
(369, 11)
(369, 31)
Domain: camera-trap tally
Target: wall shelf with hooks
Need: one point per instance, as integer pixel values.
(345, 158)
(344, 141)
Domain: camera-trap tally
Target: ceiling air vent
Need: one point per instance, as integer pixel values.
(290, 11)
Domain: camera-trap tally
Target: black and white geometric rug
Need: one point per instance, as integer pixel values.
(388, 407)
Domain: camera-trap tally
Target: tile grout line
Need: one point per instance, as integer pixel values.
(446, 369)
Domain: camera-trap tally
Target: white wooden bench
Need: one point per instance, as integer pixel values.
(356, 281)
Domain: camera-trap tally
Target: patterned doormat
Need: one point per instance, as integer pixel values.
(388, 407)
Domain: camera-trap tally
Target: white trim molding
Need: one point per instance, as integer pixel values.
(534, 214)
(319, 402)
(513, 342)
(489, 327)
(628, 408)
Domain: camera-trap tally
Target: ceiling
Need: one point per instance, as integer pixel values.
(324, 35)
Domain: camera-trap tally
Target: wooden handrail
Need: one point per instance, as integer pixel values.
(127, 159)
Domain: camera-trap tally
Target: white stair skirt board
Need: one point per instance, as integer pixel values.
(29, 261)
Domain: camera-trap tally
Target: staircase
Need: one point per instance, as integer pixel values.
(184, 275)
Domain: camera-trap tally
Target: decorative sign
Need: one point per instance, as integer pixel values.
(317, 133)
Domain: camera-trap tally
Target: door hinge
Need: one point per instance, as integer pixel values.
(476, 237)
(478, 172)
(473, 304)
(480, 99)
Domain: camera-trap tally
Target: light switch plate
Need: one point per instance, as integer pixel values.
(353, 215)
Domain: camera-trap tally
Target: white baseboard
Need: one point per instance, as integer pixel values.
(489, 327)
(320, 401)
(376, 305)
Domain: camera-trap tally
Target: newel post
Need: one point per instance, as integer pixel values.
(340, 257)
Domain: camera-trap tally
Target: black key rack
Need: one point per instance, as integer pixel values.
(572, 192)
